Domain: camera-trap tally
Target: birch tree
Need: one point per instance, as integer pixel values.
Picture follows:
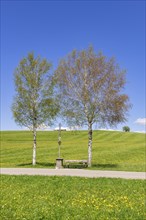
(91, 91)
(34, 104)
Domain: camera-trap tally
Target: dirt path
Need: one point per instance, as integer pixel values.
(74, 172)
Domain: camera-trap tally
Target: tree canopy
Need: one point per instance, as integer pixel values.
(126, 128)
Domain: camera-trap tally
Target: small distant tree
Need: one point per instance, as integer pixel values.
(126, 129)
(90, 88)
(34, 104)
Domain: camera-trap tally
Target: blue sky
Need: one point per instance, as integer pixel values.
(52, 29)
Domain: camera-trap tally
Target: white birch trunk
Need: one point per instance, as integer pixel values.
(34, 148)
(89, 144)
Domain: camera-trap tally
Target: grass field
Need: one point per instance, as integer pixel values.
(62, 198)
(111, 150)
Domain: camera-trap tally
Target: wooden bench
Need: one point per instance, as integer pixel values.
(84, 162)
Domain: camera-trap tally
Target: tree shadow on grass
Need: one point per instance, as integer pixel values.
(71, 166)
(38, 164)
(46, 164)
(23, 164)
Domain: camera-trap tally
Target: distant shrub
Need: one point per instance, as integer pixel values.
(126, 129)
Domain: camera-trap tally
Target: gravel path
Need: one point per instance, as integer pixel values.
(74, 172)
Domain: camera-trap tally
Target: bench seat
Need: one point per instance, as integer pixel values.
(84, 162)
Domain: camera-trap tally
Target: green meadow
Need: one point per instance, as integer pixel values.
(71, 198)
(112, 150)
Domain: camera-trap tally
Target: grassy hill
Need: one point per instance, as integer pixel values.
(112, 150)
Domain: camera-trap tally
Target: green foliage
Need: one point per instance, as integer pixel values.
(73, 198)
(34, 104)
(111, 150)
(126, 129)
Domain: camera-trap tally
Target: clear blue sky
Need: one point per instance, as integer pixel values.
(52, 29)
